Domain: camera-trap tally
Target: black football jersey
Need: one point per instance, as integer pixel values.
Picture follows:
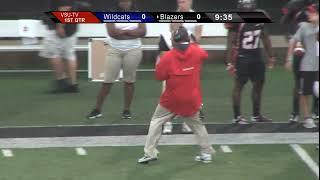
(248, 38)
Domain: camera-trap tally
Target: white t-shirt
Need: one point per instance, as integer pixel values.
(125, 45)
(191, 28)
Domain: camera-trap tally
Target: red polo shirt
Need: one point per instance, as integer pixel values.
(181, 71)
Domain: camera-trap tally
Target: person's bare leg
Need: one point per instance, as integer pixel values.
(308, 121)
(104, 92)
(72, 71)
(128, 95)
(58, 68)
(256, 96)
(305, 106)
(315, 106)
(296, 97)
(236, 98)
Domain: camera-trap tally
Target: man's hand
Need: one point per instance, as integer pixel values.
(231, 69)
(271, 62)
(288, 65)
(157, 60)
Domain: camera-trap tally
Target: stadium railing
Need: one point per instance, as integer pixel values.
(12, 29)
(30, 48)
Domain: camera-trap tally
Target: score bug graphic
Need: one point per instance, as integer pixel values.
(72, 17)
(158, 17)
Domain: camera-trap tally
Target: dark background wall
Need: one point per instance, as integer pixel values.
(18, 9)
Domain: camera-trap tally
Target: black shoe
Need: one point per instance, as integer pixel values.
(60, 86)
(240, 120)
(73, 89)
(126, 114)
(260, 119)
(94, 114)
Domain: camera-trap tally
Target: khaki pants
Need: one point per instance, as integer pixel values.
(161, 116)
(126, 60)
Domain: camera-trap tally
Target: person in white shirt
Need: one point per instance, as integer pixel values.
(124, 53)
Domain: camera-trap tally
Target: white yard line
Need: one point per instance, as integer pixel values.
(305, 157)
(226, 149)
(7, 153)
(216, 139)
(81, 151)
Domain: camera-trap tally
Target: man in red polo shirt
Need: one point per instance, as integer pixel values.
(180, 68)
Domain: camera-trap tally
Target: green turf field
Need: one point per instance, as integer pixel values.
(24, 101)
(246, 162)
(312, 151)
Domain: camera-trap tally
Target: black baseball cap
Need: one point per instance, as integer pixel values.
(181, 35)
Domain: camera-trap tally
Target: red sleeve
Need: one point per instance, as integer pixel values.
(162, 68)
(203, 53)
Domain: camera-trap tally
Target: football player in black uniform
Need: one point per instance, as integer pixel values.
(245, 61)
(294, 13)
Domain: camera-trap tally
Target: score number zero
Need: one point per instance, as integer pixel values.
(143, 16)
(217, 17)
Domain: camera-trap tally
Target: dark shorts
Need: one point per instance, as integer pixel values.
(306, 82)
(253, 70)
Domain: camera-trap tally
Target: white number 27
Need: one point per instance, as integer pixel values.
(251, 39)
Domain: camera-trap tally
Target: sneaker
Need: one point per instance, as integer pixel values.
(309, 123)
(94, 114)
(167, 128)
(260, 119)
(146, 159)
(186, 128)
(73, 89)
(315, 117)
(126, 114)
(240, 120)
(294, 118)
(60, 86)
(205, 158)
